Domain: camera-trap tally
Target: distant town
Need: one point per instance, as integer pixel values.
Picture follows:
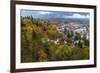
(71, 27)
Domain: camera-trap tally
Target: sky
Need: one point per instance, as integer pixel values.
(54, 14)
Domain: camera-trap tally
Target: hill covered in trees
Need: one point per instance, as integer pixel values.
(44, 40)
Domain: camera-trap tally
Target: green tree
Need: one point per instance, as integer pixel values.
(64, 52)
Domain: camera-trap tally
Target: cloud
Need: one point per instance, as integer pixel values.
(44, 12)
(77, 15)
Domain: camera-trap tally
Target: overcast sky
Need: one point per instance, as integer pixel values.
(54, 14)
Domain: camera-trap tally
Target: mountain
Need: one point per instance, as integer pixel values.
(68, 20)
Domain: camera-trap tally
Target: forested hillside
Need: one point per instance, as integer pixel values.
(43, 40)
